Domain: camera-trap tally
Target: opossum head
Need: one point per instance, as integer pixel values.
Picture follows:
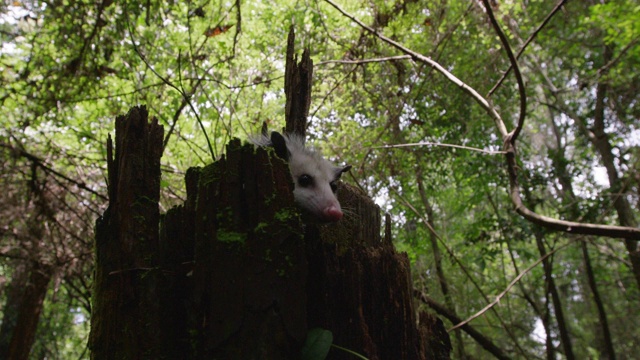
(314, 177)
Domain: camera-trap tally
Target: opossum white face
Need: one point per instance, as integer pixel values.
(315, 178)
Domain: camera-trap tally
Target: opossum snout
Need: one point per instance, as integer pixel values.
(332, 213)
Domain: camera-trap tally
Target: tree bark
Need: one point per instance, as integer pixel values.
(235, 274)
(437, 259)
(15, 294)
(30, 282)
(546, 322)
(551, 289)
(563, 329)
(125, 322)
(22, 317)
(607, 349)
(297, 88)
(602, 144)
(568, 195)
(25, 331)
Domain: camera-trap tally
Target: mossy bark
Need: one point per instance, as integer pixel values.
(125, 312)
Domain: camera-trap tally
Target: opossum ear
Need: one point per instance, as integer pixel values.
(340, 170)
(280, 145)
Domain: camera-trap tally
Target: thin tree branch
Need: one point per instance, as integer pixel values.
(366, 61)
(170, 84)
(41, 163)
(425, 221)
(547, 222)
(475, 334)
(613, 61)
(516, 71)
(527, 42)
(441, 144)
(334, 88)
(571, 227)
(427, 60)
(176, 116)
(511, 284)
(444, 244)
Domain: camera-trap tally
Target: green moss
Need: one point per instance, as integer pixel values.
(289, 217)
(210, 174)
(224, 215)
(261, 227)
(231, 236)
(270, 198)
(286, 214)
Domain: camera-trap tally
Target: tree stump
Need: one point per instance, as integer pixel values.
(234, 273)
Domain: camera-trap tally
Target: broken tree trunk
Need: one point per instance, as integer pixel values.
(235, 274)
(125, 309)
(297, 88)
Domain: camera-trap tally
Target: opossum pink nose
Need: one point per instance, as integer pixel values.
(332, 213)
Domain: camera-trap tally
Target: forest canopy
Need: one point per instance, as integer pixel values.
(501, 136)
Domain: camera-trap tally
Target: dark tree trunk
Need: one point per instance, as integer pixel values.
(22, 311)
(604, 342)
(15, 294)
(250, 266)
(563, 329)
(125, 319)
(602, 144)
(297, 88)
(437, 259)
(608, 352)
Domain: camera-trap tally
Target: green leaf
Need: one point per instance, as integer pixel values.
(317, 344)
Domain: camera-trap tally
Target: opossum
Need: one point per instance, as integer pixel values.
(315, 178)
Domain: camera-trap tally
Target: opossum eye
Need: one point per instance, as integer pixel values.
(334, 186)
(305, 180)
